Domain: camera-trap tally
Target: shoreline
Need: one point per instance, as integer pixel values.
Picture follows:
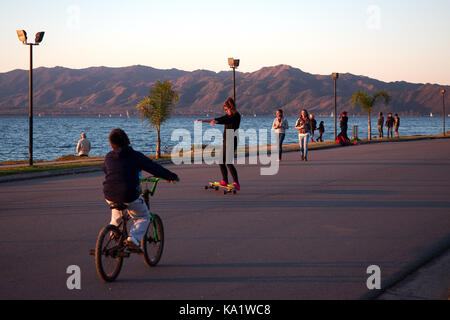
(54, 168)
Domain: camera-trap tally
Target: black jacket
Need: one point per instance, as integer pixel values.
(122, 169)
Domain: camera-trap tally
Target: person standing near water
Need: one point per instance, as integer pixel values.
(83, 146)
(380, 124)
(343, 124)
(280, 125)
(389, 125)
(231, 121)
(303, 125)
(396, 124)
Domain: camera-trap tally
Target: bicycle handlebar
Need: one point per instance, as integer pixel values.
(155, 182)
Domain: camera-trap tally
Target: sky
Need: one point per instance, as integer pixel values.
(393, 40)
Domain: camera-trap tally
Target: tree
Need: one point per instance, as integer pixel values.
(367, 103)
(157, 108)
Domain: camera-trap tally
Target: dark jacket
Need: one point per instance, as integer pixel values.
(313, 125)
(230, 122)
(389, 122)
(122, 169)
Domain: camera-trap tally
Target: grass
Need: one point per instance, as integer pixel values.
(39, 168)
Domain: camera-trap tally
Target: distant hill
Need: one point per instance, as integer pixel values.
(102, 90)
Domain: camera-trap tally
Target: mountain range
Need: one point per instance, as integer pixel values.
(104, 90)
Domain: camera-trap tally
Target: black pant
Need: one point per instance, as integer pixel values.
(223, 166)
(344, 132)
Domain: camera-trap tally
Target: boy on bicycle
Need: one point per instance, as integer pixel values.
(122, 166)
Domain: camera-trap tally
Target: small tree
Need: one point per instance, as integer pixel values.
(157, 108)
(367, 103)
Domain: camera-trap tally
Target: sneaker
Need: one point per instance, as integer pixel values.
(236, 186)
(132, 243)
(223, 183)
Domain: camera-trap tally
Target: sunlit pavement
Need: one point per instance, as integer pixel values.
(309, 232)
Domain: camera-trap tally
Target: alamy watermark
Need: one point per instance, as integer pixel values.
(73, 17)
(74, 280)
(374, 17)
(207, 147)
(374, 280)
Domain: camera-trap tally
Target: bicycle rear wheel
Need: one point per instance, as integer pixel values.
(153, 241)
(108, 261)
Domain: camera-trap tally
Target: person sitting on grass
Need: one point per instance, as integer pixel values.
(122, 167)
(83, 146)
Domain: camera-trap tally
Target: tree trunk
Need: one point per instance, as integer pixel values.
(158, 142)
(370, 128)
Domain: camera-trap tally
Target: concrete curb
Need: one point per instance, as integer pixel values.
(58, 172)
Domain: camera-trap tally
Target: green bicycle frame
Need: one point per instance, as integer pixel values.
(151, 192)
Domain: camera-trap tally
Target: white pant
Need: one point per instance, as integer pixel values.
(139, 217)
(303, 139)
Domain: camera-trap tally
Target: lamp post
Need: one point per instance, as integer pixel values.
(233, 63)
(335, 77)
(443, 111)
(23, 38)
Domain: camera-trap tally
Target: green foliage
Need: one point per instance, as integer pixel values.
(367, 102)
(158, 106)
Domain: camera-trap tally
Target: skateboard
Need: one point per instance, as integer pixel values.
(217, 186)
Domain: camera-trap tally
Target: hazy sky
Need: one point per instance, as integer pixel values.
(387, 40)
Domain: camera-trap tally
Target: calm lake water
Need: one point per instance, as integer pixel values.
(54, 137)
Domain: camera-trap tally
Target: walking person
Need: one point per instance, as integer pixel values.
(396, 124)
(321, 131)
(380, 124)
(83, 146)
(280, 125)
(303, 125)
(389, 125)
(313, 126)
(231, 121)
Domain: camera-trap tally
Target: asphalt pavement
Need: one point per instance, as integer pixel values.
(309, 232)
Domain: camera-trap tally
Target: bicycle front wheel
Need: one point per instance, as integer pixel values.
(108, 259)
(153, 241)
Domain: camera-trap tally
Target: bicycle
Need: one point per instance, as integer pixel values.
(110, 248)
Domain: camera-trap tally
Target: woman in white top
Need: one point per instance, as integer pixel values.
(303, 125)
(280, 125)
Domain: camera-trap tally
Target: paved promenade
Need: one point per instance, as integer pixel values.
(309, 232)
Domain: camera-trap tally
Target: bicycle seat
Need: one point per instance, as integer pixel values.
(119, 206)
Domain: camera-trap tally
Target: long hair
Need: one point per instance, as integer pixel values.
(306, 113)
(229, 103)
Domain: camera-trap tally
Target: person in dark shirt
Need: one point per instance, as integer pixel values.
(321, 131)
(122, 167)
(389, 125)
(313, 126)
(231, 122)
(380, 124)
(343, 124)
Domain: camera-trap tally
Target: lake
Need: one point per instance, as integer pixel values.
(54, 137)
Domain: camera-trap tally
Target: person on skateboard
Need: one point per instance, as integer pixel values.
(231, 121)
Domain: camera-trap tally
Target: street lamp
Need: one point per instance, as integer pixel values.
(335, 77)
(233, 63)
(443, 111)
(38, 39)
